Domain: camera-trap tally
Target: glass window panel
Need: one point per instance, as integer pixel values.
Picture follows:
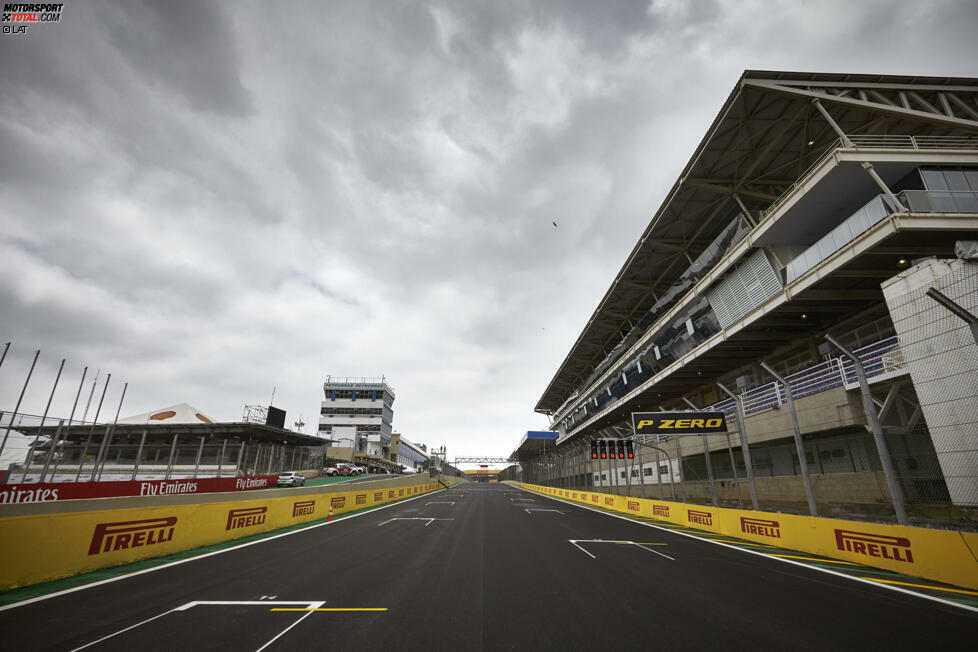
(826, 247)
(967, 202)
(842, 235)
(956, 180)
(934, 179)
(943, 202)
(972, 177)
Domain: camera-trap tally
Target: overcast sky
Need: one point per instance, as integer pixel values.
(212, 199)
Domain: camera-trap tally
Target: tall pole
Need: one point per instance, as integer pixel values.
(88, 442)
(957, 309)
(874, 425)
(103, 452)
(44, 417)
(6, 347)
(47, 460)
(744, 447)
(706, 456)
(799, 444)
(21, 398)
(139, 455)
(679, 463)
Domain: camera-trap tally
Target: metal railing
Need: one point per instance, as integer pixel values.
(880, 359)
(904, 141)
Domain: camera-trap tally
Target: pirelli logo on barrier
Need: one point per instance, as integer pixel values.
(609, 501)
(303, 508)
(361, 499)
(378, 495)
(391, 494)
(250, 517)
(660, 510)
(400, 492)
(122, 535)
(700, 518)
(633, 505)
(594, 499)
(761, 527)
(874, 545)
(337, 501)
(574, 495)
(678, 423)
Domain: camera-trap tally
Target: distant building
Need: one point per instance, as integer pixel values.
(410, 455)
(357, 413)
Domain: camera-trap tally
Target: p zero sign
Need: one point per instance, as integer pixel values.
(678, 423)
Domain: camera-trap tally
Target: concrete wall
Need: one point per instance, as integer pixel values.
(942, 356)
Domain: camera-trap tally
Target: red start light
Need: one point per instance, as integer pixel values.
(631, 455)
(621, 456)
(604, 455)
(594, 456)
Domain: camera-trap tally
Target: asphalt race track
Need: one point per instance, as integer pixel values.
(485, 567)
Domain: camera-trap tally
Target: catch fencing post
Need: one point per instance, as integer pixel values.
(799, 444)
(139, 454)
(874, 425)
(744, 447)
(17, 407)
(173, 449)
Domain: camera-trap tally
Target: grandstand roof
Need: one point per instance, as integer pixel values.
(767, 134)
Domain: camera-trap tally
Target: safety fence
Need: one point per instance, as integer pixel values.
(38, 544)
(940, 555)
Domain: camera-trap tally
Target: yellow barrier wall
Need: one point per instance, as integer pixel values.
(942, 555)
(39, 548)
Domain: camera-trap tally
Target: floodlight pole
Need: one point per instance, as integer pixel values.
(17, 407)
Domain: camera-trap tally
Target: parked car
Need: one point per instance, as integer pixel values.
(291, 479)
(342, 468)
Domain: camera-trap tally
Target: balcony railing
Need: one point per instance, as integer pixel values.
(881, 360)
(881, 141)
(875, 210)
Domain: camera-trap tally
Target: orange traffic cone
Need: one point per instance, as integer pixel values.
(330, 517)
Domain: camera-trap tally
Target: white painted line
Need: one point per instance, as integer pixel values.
(208, 554)
(279, 635)
(122, 630)
(577, 541)
(415, 518)
(440, 503)
(196, 603)
(582, 549)
(532, 509)
(827, 571)
(653, 551)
